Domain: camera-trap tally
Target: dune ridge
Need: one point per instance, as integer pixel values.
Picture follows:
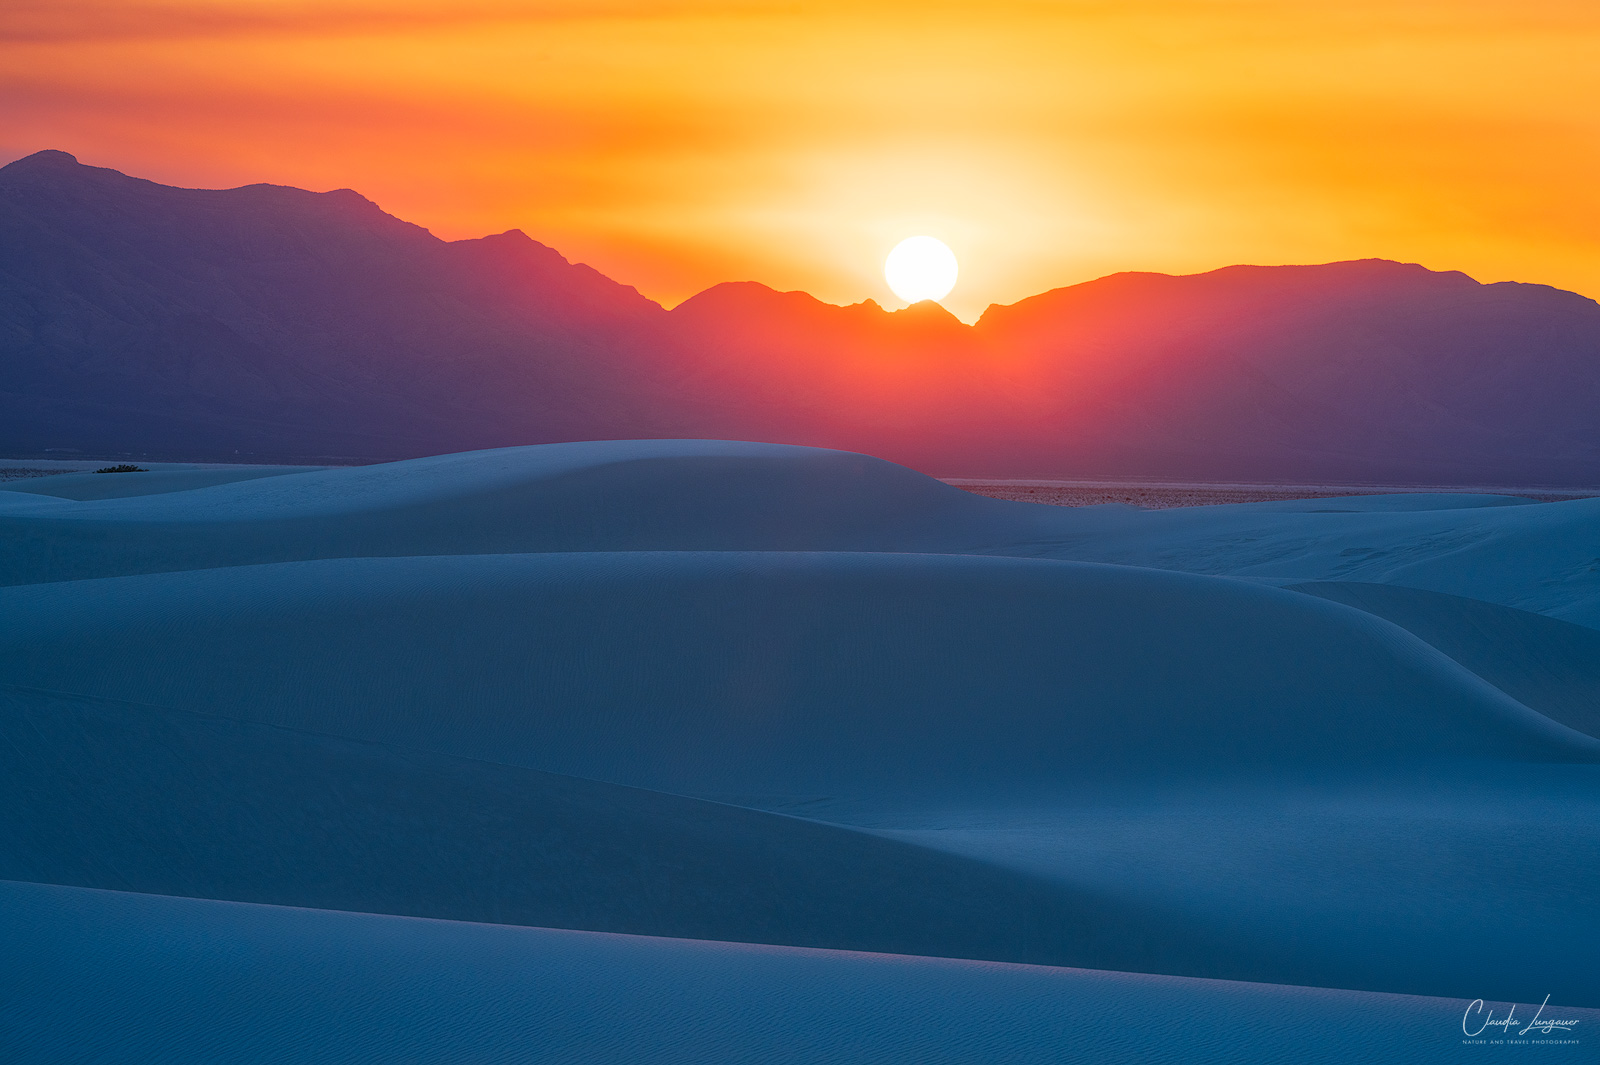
(338, 986)
(732, 671)
(668, 495)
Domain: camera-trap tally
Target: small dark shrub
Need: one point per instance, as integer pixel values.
(123, 467)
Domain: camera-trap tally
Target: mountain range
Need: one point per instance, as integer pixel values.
(271, 323)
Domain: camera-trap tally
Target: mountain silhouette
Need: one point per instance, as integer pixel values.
(272, 320)
(1366, 370)
(273, 323)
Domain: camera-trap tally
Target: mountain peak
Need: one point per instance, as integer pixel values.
(50, 157)
(926, 312)
(46, 165)
(53, 168)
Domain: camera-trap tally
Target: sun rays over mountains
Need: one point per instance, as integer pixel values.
(275, 323)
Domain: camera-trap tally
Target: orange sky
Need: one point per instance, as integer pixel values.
(677, 144)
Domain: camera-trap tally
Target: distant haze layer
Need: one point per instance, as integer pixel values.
(270, 323)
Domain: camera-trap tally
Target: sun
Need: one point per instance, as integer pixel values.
(921, 268)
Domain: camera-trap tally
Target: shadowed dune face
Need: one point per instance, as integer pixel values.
(1549, 665)
(747, 673)
(215, 808)
(1157, 879)
(341, 987)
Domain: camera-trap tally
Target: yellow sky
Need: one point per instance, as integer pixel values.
(677, 144)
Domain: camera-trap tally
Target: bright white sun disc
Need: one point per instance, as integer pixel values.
(921, 268)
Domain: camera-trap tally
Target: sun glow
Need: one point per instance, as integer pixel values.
(921, 268)
(675, 144)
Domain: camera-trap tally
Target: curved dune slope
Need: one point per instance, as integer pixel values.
(766, 673)
(1437, 880)
(143, 799)
(1244, 885)
(1543, 558)
(722, 495)
(1548, 665)
(140, 978)
(601, 496)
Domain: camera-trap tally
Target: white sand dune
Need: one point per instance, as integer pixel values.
(1549, 665)
(1543, 558)
(752, 672)
(894, 692)
(1428, 881)
(196, 980)
(720, 495)
(667, 495)
(144, 799)
(742, 692)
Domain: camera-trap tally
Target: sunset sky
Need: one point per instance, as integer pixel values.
(673, 145)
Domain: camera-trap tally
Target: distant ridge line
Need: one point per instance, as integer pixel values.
(276, 324)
